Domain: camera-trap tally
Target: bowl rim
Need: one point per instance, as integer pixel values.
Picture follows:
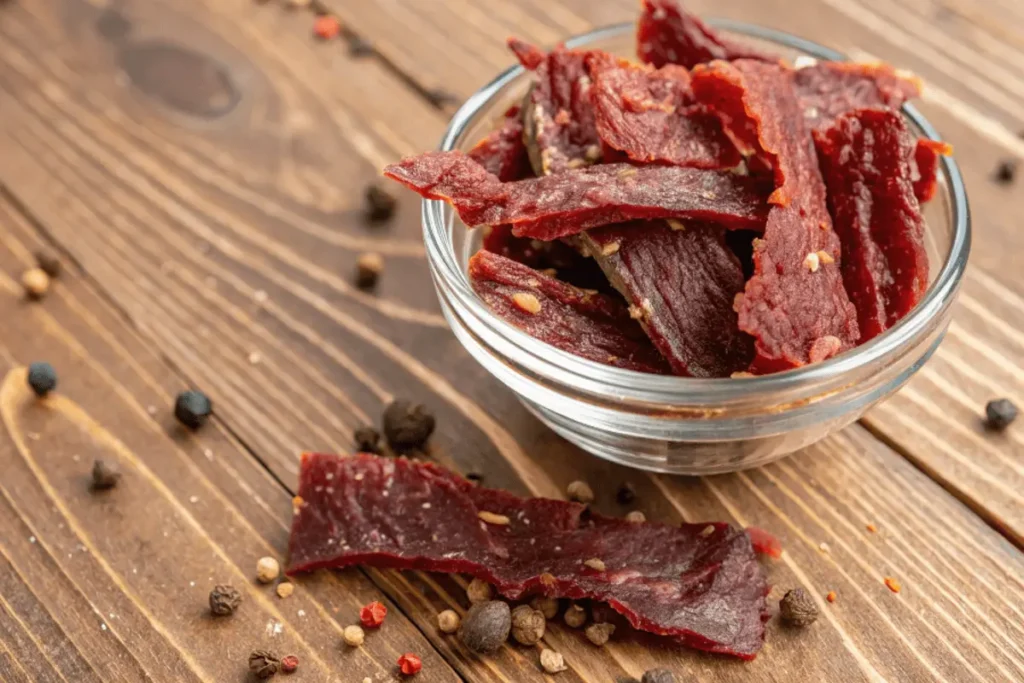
(630, 385)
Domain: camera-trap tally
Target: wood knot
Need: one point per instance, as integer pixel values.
(180, 78)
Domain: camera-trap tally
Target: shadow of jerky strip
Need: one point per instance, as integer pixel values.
(502, 151)
(865, 158)
(668, 34)
(700, 584)
(583, 322)
(681, 281)
(567, 203)
(795, 306)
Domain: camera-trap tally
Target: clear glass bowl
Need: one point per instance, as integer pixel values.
(676, 424)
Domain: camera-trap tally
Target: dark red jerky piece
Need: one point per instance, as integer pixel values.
(925, 167)
(529, 55)
(566, 203)
(829, 89)
(865, 157)
(668, 34)
(797, 311)
(764, 542)
(502, 152)
(567, 263)
(586, 323)
(680, 282)
(705, 589)
(650, 115)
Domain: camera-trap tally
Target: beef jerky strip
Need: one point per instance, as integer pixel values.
(650, 114)
(668, 34)
(828, 90)
(925, 167)
(795, 306)
(569, 202)
(698, 583)
(586, 323)
(681, 281)
(502, 152)
(865, 158)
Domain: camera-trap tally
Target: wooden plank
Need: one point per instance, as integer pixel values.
(113, 586)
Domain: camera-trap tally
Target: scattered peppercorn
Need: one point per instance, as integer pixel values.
(48, 262)
(580, 492)
(36, 283)
(367, 440)
(797, 608)
(999, 413)
(409, 664)
(831, 596)
(871, 527)
(380, 204)
(42, 378)
(552, 662)
(636, 517)
(267, 569)
(353, 636)
(263, 663)
(475, 477)
(546, 606)
(1006, 171)
(224, 600)
(658, 676)
(599, 634)
(479, 590)
(289, 663)
(626, 494)
(528, 625)
(326, 27)
(192, 408)
(372, 615)
(575, 616)
(407, 425)
(359, 46)
(448, 621)
(285, 589)
(892, 584)
(369, 266)
(486, 626)
(104, 476)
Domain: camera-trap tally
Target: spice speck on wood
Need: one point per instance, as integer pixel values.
(369, 267)
(372, 615)
(380, 204)
(359, 46)
(353, 636)
(575, 616)
(599, 634)
(1006, 171)
(479, 590)
(831, 596)
(263, 664)
(409, 664)
(48, 262)
(267, 569)
(552, 662)
(326, 27)
(367, 440)
(192, 408)
(797, 608)
(407, 425)
(892, 584)
(528, 625)
(999, 413)
(36, 283)
(545, 605)
(486, 626)
(871, 527)
(658, 676)
(104, 475)
(285, 589)
(224, 600)
(42, 378)
(448, 621)
(289, 663)
(580, 492)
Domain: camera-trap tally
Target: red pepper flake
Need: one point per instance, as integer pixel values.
(764, 543)
(289, 663)
(372, 615)
(410, 664)
(326, 27)
(892, 584)
(831, 597)
(871, 527)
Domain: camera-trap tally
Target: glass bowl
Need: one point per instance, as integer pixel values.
(677, 424)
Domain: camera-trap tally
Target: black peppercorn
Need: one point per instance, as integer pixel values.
(797, 608)
(475, 477)
(359, 46)
(48, 262)
(486, 626)
(658, 676)
(192, 408)
(1006, 171)
(380, 204)
(224, 600)
(263, 663)
(42, 378)
(104, 476)
(367, 440)
(407, 425)
(368, 270)
(1000, 413)
(626, 494)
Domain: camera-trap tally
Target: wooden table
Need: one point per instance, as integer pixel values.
(199, 166)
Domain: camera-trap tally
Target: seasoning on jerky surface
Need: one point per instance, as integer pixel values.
(433, 524)
(588, 324)
(567, 203)
(668, 34)
(796, 314)
(827, 90)
(865, 157)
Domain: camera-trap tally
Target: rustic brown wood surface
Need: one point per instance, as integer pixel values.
(199, 165)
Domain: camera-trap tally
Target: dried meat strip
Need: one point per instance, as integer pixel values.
(698, 583)
(572, 201)
(650, 115)
(795, 306)
(925, 167)
(828, 90)
(681, 281)
(502, 152)
(668, 34)
(557, 259)
(583, 322)
(865, 158)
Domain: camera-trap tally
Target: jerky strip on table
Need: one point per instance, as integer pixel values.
(925, 167)
(795, 306)
(705, 589)
(827, 90)
(865, 157)
(668, 34)
(502, 152)
(586, 323)
(650, 114)
(681, 281)
(566, 203)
